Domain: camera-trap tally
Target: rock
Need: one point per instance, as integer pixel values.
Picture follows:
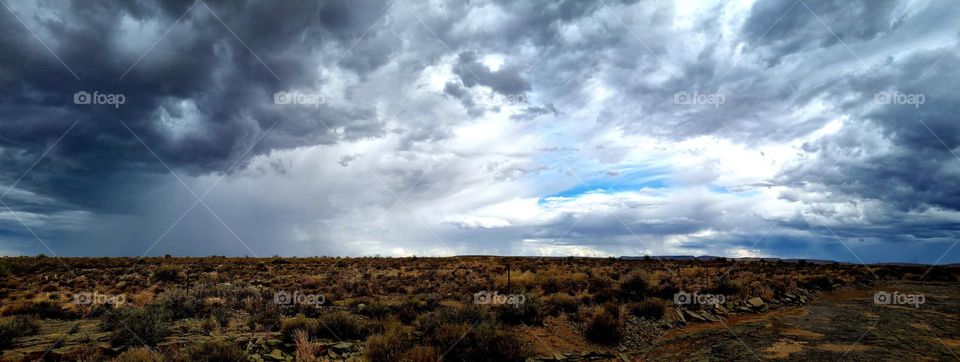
(559, 357)
(274, 342)
(343, 347)
(755, 302)
(720, 309)
(680, 315)
(276, 355)
(623, 357)
(710, 317)
(696, 316)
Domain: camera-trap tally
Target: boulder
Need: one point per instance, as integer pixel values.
(756, 302)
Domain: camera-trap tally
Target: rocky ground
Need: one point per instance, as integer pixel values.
(840, 325)
(817, 312)
(844, 325)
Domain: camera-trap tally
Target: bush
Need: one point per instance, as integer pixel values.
(139, 354)
(266, 319)
(137, 326)
(527, 312)
(41, 309)
(603, 327)
(430, 323)
(167, 273)
(486, 342)
(653, 309)
(421, 354)
(341, 325)
(388, 346)
(213, 351)
(375, 310)
(181, 303)
(819, 282)
(289, 326)
(726, 287)
(554, 304)
(13, 328)
(409, 309)
(635, 286)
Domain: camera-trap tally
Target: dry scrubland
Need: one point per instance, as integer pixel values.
(388, 309)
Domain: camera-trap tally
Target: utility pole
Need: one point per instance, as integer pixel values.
(508, 278)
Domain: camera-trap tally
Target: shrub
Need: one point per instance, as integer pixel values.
(635, 286)
(13, 328)
(341, 325)
(652, 308)
(137, 326)
(554, 304)
(139, 354)
(181, 303)
(288, 326)
(820, 282)
(213, 351)
(421, 354)
(167, 273)
(375, 310)
(266, 319)
(726, 286)
(307, 350)
(486, 342)
(388, 346)
(470, 314)
(603, 327)
(409, 309)
(41, 309)
(527, 312)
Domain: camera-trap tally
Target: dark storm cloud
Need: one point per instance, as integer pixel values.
(903, 154)
(507, 81)
(198, 74)
(786, 27)
(579, 75)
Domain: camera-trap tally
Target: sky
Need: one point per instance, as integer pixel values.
(776, 128)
